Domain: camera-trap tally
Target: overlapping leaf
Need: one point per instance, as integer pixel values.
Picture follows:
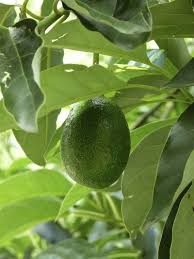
(139, 177)
(76, 193)
(32, 184)
(173, 160)
(165, 243)
(19, 72)
(125, 23)
(73, 83)
(35, 145)
(27, 213)
(173, 20)
(66, 36)
(7, 15)
(182, 235)
(185, 77)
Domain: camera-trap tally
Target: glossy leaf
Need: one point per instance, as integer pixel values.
(173, 160)
(27, 214)
(46, 7)
(165, 243)
(188, 175)
(19, 73)
(125, 23)
(138, 89)
(7, 15)
(7, 120)
(51, 57)
(76, 193)
(173, 20)
(172, 46)
(73, 83)
(66, 36)
(73, 248)
(139, 177)
(184, 77)
(35, 145)
(137, 135)
(32, 184)
(182, 235)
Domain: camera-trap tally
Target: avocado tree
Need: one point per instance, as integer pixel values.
(128, 142)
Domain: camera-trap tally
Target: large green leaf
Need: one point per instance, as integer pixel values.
(138, 134)
(76, 193)
(73, 248)
(182, 235)
(35, 145)
(125, 23)
(185, 77)
(139, 177)
(7, 120)
(73, 83)
(19, 72)
(46, 7)
(51, 57)
(7, 15)
(173, 20)
(66, 36)
(32, 184)
(172, 47)
(173, 160)
(165, 243)
(23, 215)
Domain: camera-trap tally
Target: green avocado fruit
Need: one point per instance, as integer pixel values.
(95, 143)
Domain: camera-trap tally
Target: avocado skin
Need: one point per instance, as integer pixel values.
(95, 143)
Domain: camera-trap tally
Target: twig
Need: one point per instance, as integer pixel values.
(169, 108)
(146, 115)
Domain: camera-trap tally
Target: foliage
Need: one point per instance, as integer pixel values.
(139, 55)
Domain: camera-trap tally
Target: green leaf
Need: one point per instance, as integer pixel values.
(127, 73)
(7, 120)
(46, 7)
(138, 134)
(66, 36)
(139, 177)
(159, 58)
(184, 77)
(188, 175)
(35, 145)
(76, 193)
(26, 214)
(32, 184)
(132, 97)
(182, 235)
(73, 248)
(173, 160)
(19, 72)
(173, 20)
(7, 15)
(172, 47)
(51, 57)
(81, 83)
(165, 243)
(125, 23)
